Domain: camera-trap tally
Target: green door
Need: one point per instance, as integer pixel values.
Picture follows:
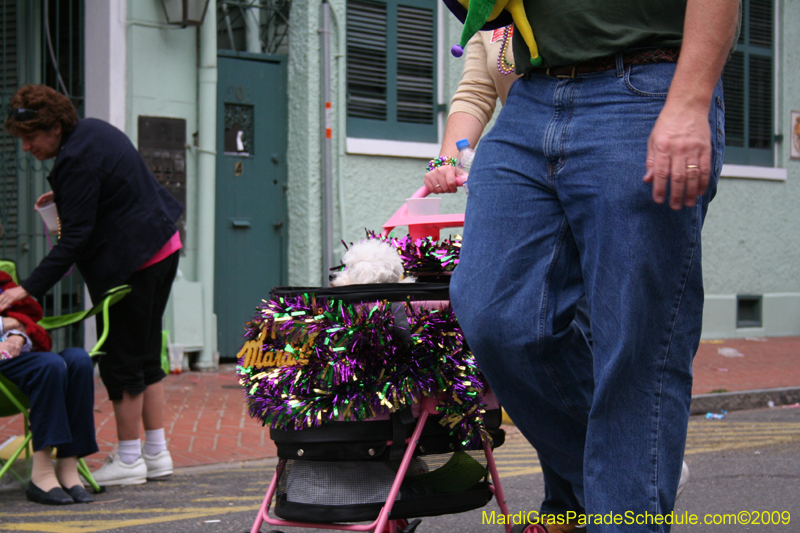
(251, 214)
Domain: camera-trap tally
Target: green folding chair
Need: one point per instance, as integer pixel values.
(14, 402)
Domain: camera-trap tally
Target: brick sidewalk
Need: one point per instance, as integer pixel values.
(746, 364)
(206, 420)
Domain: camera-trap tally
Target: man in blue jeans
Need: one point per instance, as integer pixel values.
(595, 180)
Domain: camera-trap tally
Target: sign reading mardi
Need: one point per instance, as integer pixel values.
(257, 355)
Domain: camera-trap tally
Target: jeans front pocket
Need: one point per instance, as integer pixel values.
(649, 81)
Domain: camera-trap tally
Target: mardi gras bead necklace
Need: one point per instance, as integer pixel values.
(503, 65)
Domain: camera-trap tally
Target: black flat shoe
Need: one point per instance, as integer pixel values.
(54, 496)
(79, 494)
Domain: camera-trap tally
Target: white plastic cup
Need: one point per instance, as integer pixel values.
(423, 207)
(175, 358)
(49, 214)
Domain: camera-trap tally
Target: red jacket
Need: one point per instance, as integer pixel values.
(29, 312)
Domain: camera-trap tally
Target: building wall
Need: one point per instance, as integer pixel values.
(162, 82)
(138, 65)
(367, 189)
(749, 240)
(373, 187)
(751, 243)
(304, 151)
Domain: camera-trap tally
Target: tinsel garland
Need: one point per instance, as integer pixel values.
(422, 257)
(314, 360)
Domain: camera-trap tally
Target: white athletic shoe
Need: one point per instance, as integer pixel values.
(158, 465)
(115, 472)
(682, 481)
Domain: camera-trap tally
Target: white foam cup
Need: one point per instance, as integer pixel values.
(423, 207)
(175, 358)
(49, 214)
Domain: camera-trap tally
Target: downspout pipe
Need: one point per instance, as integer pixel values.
(252, 28)
(327, 143)
(206, 183)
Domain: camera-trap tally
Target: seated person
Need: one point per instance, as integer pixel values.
(60, 388)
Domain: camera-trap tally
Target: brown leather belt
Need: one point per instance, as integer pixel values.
(639, 57)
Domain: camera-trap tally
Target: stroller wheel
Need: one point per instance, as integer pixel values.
(404, 526)
(410, 527)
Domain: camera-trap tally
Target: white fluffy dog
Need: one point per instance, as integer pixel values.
(370, 261)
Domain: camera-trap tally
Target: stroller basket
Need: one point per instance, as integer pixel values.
(376, 406)
(343, 471)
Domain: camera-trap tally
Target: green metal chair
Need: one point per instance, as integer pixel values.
(14, 402)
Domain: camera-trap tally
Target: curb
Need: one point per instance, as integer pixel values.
(701, 404)
(732, 401)
(740, 400)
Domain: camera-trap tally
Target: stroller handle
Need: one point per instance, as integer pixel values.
(423, 226)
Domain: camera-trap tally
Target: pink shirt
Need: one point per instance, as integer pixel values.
(172, 246)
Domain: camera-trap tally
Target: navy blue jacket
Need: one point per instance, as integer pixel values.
(114, 215)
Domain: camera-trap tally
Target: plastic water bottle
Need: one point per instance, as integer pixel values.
(464, 162)
(465, 157)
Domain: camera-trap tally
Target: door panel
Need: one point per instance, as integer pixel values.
(251, 212)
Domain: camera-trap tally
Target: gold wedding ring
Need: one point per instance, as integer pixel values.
(689, 167)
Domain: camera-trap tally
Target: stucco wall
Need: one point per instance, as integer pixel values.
(750, 241)
(374, 187)
(162, 82)
(305, 211)
(751, 244)
(367, 190)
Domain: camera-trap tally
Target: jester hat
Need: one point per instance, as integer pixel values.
(484, 15)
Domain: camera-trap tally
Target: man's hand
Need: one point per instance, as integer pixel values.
(679, 147)
(679, 153)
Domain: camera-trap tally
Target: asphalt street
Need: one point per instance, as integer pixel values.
(747, 462)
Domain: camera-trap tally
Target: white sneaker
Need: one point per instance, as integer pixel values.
(158, 465)
(683, 480)
(115, 472)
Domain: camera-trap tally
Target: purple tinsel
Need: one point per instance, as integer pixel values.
(345, 361)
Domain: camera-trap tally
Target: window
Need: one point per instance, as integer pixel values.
(748, 84)
(391, 66)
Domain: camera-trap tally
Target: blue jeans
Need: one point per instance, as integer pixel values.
(558, 210)
(60, 388)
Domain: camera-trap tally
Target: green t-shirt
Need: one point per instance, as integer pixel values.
(569, 32)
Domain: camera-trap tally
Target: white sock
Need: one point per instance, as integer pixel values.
(130, 450)
(154, 441)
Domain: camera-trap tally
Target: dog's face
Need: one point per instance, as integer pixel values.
(371, 261)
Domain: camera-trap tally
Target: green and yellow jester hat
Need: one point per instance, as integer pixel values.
(490, 14)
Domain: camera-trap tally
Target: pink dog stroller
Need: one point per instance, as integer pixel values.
(399, 425)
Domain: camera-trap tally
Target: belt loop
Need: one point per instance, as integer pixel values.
(620, 64)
